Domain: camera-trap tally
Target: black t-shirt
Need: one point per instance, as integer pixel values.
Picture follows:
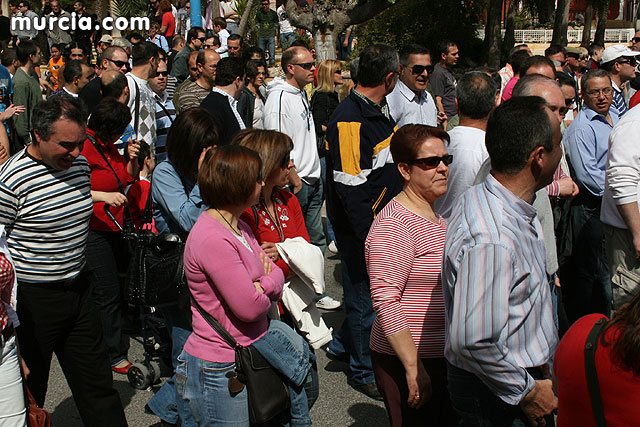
(5, 25)
(90, 94)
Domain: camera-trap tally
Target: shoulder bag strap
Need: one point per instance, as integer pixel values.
(215, 324)
(136, 121)
(592, 374)
(164, 109)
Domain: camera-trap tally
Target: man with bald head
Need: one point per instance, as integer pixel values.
(195, 92)
(287, 110)
(113, 59)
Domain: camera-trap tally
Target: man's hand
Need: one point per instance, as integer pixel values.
(539, 402)
(295, 181)
(568, 188)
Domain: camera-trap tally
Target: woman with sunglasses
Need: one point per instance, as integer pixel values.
(404, 256)
(232, 279)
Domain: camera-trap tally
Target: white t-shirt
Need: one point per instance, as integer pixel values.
(283, 21)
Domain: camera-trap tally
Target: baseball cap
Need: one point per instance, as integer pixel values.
(617, 51)
(106, 39)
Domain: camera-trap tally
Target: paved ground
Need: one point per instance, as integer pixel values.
(338, 404)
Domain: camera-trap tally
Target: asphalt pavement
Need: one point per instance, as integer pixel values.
(337, 405)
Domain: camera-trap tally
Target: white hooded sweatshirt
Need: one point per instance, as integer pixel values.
(287, 110)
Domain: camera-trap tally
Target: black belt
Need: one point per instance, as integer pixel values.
(7, 333)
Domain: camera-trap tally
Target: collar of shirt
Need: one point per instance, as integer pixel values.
(591, 114)
(383, 107)
(515, 203)
(411, 95)
(162, 98)
(75, 95)
(233, 103)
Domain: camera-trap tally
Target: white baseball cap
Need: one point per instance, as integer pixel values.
(617, 51)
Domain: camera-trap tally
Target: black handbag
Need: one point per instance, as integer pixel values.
(155, 275)
(267, 391)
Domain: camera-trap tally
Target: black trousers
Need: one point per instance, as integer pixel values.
(61, 318)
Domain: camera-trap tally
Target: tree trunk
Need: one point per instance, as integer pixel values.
(101, 8)
(325, 44)
(492, 34)
(603, 9)
(561, 23)
(510, 26)
(588, 21)
(244, 21)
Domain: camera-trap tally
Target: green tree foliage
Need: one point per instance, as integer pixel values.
(426, 22)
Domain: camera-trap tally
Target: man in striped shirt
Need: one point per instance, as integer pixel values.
(45, 205)
(500, 332)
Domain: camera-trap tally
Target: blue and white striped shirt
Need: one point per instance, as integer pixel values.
(499, 317)
(618, 100)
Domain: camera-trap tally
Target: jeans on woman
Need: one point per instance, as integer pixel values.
(12, 407)
(290, 355)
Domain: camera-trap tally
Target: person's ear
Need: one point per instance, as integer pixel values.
(404, 170)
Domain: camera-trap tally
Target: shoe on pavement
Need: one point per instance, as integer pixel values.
(328, 303)
(370, 390)
(343, 357)
(332, 247)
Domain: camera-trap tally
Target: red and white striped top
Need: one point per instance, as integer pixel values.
(404, 257)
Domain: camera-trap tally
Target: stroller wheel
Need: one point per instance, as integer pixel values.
(155, 367)
(140, 376)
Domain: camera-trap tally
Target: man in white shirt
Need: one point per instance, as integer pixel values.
(410, 103)
(477, 94)
(619, 213)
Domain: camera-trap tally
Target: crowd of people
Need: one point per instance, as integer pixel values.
(486, 221)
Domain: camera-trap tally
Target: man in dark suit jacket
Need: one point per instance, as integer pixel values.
(221, 103)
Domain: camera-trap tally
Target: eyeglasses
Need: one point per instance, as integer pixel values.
(607, 91)
(337, 72)
(630, 61)
(419, 69)
(433, 162)
(209, 46)
(118, 64)
(284, 164)
(162, 73)
(306, 65)
(202, 39)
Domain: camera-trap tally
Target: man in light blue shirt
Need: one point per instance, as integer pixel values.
(586, 141)
(410, 103)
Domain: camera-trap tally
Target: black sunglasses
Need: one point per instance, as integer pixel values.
(162, 73)
(433, 162)
(419, 69)
(631, 61)
(306, 65)
(119, 64)
(202, 39)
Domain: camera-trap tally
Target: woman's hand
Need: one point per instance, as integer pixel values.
(270, 249)
(10, 111)
(133, 149)
(266, 263)
(202, 154)
(258, 287)
(419, 384)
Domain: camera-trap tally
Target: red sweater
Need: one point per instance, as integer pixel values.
(103, 179)
(620, 390)
(289, 222)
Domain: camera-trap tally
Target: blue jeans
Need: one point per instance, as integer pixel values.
(167, 404)
(311, 198)
(286, 39)
(205, 387)
(353, 337)
(268, 44)
(290, 355)
(478, 406)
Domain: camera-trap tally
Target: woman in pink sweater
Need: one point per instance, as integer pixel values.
(230, 276)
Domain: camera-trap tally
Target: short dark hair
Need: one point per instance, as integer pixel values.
(376, 62)
(250, 51)
(25, 49)
(72, 69)
(354, 67)
(193, 33)
(228, 176)
(81, 3)
(476, 93)
(235, 36)
(115, 87)
(228, 70)
(516, 128)
(143, 153)
(443, 47)
(405, 143)
(134, 36)
(8, 56)
(191, 132)
(219, 22)
(564, 79)
(251, 68)
(78, 45)
(591, 74)
(518, 58)
(553, 49)
(109, 119)
(412, 49)
(534, 61)
(143, 52)
(513, 50)
(593, 48)
(46, 113)
(176, 40)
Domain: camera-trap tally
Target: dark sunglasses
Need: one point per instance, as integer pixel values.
(337, 72)
(433, 162)
(306, 65)
(162, 73)
(630, 61)
(119, 64)
(284, 164)
(202, 39)
(419, 69)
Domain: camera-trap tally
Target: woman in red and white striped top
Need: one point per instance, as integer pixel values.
(404, 258)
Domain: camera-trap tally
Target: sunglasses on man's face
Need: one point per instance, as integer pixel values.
(306, 65)
(419, 69)
(162, 73)
(434, 161)
(202, 39)
(118, 64)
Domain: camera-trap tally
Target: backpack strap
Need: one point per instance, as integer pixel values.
(591, 372)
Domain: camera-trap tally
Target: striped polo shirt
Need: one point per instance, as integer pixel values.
(46, 213)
